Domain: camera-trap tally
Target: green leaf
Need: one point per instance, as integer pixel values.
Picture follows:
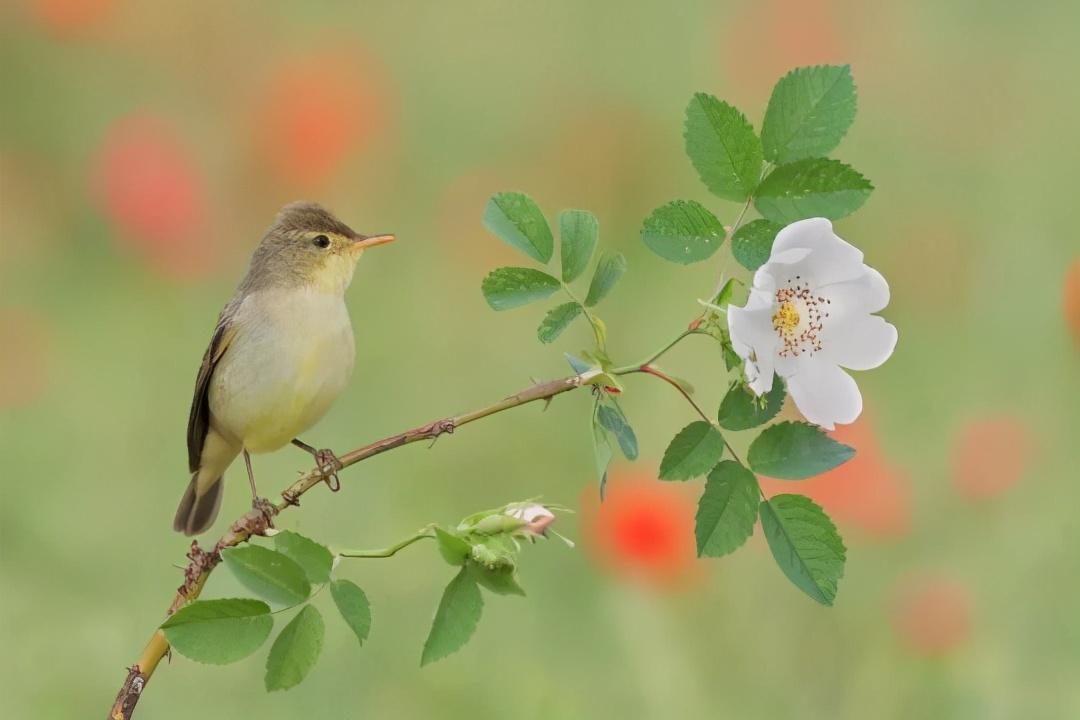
(817, 187)
(727, 510)
(453, 548)
(219, 631)
(515, 218)
(805, 544)
(752, 243)
(682, 231)
(295, 650)
(456, 618)
(511, 287)
(315, 559)
(557, 320)
(809, 113)
(731, 358)
(578, 232)
(723, 147)
(694, 451)
(796, 450)
(602, 452)
(268, 573)
(353, 605)
(609, 269)
(500, 579)
(613, 420)
(577, 364)
(741, 409)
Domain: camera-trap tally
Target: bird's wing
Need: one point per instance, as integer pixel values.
(199, 419)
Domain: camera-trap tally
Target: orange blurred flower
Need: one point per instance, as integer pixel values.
(868, 492)
(315, 113)
(146, 183)
(989, 456)
(1071, 299)
(70, 17)
(931, 616)
(23, 357)
(643, 530)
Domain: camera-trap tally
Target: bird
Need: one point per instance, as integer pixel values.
(281, 353)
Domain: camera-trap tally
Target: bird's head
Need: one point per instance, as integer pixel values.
(308, 247)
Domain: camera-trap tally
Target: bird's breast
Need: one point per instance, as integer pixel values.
(292, 356)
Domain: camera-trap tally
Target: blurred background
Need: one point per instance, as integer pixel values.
(144, 147)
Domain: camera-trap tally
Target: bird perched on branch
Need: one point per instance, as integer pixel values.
(281, 354)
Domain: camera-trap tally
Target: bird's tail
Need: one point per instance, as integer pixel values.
(199, 506)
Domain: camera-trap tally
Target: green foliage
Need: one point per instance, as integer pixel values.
(453, 548)
(796, 450)
(219, 631)
(723, 147)
(558, 319)
(510, 287)
(805, 544)
(741, 409)
(295, 650)
(455, 619)
(727, 510)
(815, 187)
(268, 573)
(810, 111)
(578, 232)
(602, 452)
(611, 418)
(498, 577)
(752, 243)
(515, 218)
(683, 231)
(315, 559)
(353, 605)
(692, 452)
(609, 269)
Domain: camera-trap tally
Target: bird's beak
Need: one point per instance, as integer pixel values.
(362, 242)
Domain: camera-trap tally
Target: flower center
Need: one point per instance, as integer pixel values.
(798, 318)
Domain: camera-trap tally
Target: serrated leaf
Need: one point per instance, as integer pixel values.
(741, 409)
(809, 113)
(268, 573)
(515, 218)
(578, 233)
(500, 579)
(510, 287)
(456, 618)
(295, 650)
(353, 605)
(611, 418)
(557, 319)
(816, 187)
(453, 548)
(316, 560)
(805, 544)
(722, 146)
(692, 452)
(795, 450)
(609, 269)
(727, 510)
(219, 631)
(752, 243)
(682, 231)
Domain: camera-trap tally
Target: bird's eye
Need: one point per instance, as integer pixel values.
(322, 241)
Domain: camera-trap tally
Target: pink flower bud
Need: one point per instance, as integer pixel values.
(536, 517)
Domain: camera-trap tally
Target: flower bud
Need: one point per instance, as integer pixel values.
(536, 517)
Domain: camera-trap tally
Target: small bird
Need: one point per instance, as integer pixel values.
(280, 355)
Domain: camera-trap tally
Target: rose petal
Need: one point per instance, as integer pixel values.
(824, 393)
(858, 343)
(868, 293)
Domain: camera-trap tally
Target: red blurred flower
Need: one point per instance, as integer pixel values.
(70, 17)
(643, 530)
(931, 616)
(315, 113)
(23, 357)
(989, 456)
(146, 183)
(868, 492)
(1071, 299)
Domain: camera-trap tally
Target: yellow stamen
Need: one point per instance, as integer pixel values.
(786, 318)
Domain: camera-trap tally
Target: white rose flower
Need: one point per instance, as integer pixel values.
(809, 314)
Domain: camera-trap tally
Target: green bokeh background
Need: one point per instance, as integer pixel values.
(967, 114)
